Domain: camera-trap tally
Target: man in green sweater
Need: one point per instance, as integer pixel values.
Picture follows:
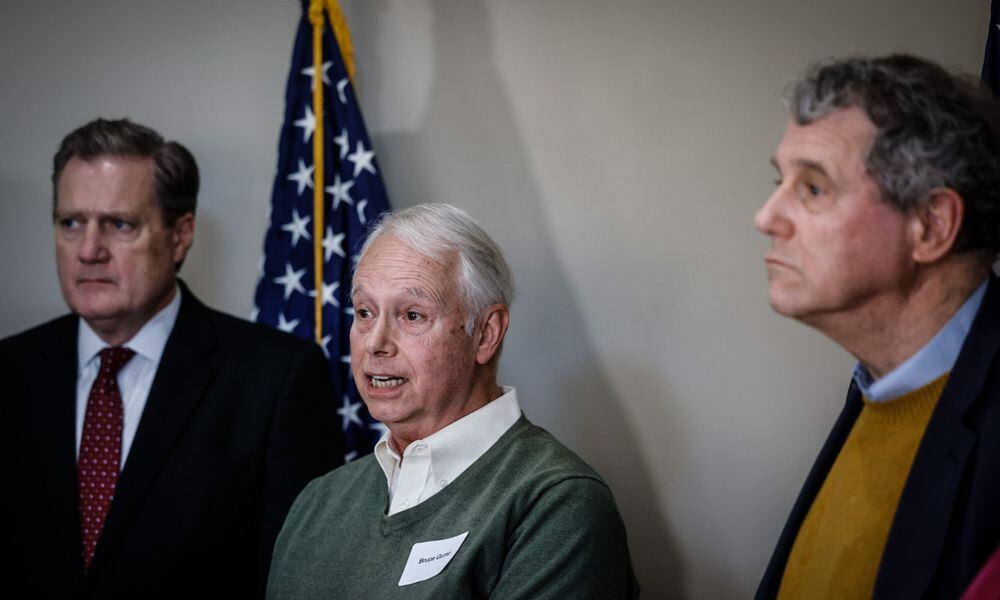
(463, 496)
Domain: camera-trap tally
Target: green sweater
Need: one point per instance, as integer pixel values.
(541, 523)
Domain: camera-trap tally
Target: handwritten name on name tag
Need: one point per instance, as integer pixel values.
(427, 559)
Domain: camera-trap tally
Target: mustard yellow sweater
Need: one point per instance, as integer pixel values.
(839, 546)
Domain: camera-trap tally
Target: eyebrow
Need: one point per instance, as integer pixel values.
(58, 214)
(809, 165)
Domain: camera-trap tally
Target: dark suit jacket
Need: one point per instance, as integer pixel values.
(239, 418)
(948, 518)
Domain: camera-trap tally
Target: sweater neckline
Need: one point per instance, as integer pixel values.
(915, 405)
(458, 487)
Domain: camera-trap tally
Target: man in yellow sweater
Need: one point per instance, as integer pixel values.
(884, 224)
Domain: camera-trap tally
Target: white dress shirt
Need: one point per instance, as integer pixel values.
(136, 377)
(432, 463)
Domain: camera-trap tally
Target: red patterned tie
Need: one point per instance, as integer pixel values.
(100, 448)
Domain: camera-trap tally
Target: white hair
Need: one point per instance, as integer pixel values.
(442, 232)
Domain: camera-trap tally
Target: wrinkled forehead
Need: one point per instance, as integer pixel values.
(391, 266)
(838, 141)
(106, 183)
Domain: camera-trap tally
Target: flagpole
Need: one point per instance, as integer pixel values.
(342, 33)
(316, 17)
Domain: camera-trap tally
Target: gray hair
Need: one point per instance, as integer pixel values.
(934, 130)
(441, 232)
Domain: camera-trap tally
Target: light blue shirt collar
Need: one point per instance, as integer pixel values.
(936, 358)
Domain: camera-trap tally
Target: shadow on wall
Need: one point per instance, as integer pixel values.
(466, 151)
(27, 238)
(201, 267)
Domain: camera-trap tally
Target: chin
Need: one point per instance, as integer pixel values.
(780, 309)
(786, 309)
(786, 300)
(378, 409)
(809, 314)
(778, 302)
(95, 310)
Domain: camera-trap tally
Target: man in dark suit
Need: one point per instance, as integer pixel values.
(884, 225)
(151, 445)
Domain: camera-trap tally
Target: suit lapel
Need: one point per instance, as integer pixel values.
(54, 424)
(184, 372)
(925, 509)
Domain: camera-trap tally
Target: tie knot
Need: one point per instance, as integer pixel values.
(114, 358)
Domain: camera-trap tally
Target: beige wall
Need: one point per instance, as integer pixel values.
(616, 149)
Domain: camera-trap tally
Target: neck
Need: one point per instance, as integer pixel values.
(115, 331)
(482, 391)
(895, 326)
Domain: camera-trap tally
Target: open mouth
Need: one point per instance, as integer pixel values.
(385, 381)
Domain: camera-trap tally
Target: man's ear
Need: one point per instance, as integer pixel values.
(182, 236)
(492, 329)
(934, 225)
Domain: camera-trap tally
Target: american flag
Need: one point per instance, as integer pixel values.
(354, 196)
(991, 60)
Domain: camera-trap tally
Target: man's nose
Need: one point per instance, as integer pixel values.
(380, 339)
(92, 245)
(770, 218)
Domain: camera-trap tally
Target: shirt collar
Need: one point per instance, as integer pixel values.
(456, 446)
(936, 358)
(148, 342)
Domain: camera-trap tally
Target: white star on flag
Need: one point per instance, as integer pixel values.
(307, 123)
(349, 412)
(292, 280)
(303, 177)
(340, 90)
(333, 244)
(285, 325)
(322, 345)
(341, 191)
(361, 211)
(328, 291)
(341, 141)
(362, 159)
(297, 227)
(311, 72)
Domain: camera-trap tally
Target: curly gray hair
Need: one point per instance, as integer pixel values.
(934, 129)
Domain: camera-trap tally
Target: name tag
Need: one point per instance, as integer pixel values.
(427, 559)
